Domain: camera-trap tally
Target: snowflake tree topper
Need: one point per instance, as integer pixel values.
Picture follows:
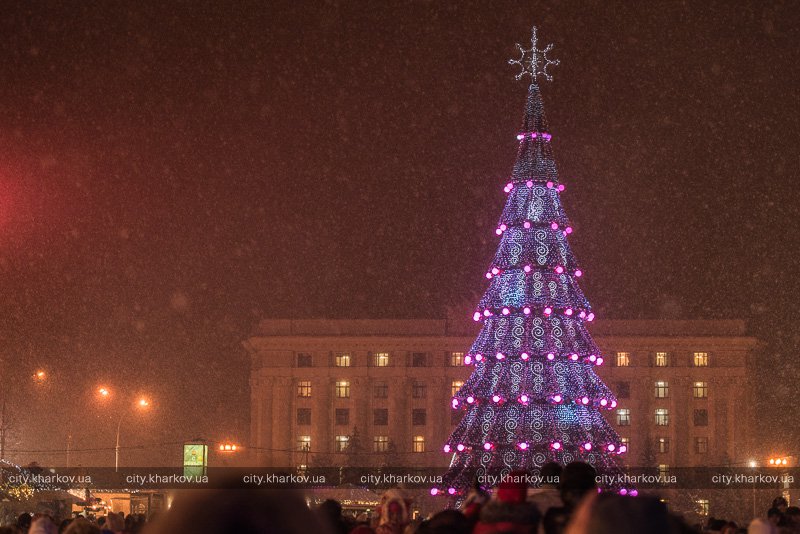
(537, 61)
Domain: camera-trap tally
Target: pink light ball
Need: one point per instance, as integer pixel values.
(554, 225)
(556, 445)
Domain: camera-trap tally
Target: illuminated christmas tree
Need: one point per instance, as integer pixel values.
(534, 396)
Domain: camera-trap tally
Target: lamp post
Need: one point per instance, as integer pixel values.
(142, 403)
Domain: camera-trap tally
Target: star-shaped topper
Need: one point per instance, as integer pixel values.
(537, 61)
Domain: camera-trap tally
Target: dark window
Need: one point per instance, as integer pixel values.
(342, 416)
(304, 359)
(418, 416)
(380, 390)
(380, 416)
(304, 416)
(419, 390)
(701, 445)
(419, 359)
(701, 418)
(623, 390)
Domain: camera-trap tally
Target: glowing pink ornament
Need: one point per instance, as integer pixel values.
(460, 447)
(506, 311)
(496, 398)
(451, 491)
(623, 491)
(585, 400)
(550, 356)
(434, 491)
(489, 276)
(556, 445)
(582, 314)
(622, 448)
(523, 446)
(611, 447)
(526, 224)
(568, 312)
(587, 446)
(529, 183)
(599, 361)
(568, 229)
(447, 448)
(476, 316)
(487, 446)
(527, 268)
(548, 310)
(613, 404)
(634, 493)
(495, 270)
(498, 231)
(592, 358)
(503, 227)
(524, 356)
(561, 187)
(578, 273)
(603, 402)
(520, 137)
(574, 357)
(470, 399)
(455, 403)
(549, 185)
(523, 398)
(590, 317)
(559, 269)
(478, 357)
(506, 189)
(526, 310)
(500, 356)
(556, 398)
(467, 360)
(510, 185)
(554, 225)
(487, 313)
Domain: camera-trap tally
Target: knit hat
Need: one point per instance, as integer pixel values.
(513, 488)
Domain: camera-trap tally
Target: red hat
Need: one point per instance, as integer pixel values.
(513, 488)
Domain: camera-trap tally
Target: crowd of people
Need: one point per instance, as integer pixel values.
(572, 505)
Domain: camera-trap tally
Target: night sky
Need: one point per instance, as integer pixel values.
(171, 174)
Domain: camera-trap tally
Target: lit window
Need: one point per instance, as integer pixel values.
(702, 506)
(304, 416)
(623, 390)
(701, 418)
(380, 417)
(455, 386)
(623, 359)
(418, 445)
(701, 445)
(701, 359)
(304, 388)
(663, 471)
(663, 445)
(662, 417)
(380, 443)
(456, 359)
(304, 443)
(700, 390)
(342, 416)
(418, 417)
(662, 389)
(304, 359)
(662, 359)
(341, 443)
(419, 390)
(343, 389)
(623, 417)
(381, 359)
(342, 359)
(419, 359)
(380, 390)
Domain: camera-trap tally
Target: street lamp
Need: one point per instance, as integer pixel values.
(142, 403)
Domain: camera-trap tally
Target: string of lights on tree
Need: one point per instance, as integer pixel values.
(533, 396)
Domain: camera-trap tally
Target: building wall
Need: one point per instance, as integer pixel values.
(275, 376)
